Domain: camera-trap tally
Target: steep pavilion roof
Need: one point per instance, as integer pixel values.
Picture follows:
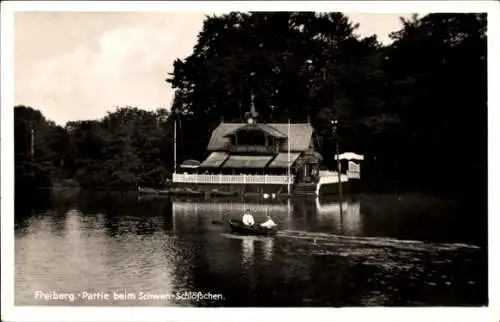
(269, 130)
(300, 135)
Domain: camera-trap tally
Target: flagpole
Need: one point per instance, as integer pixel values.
(175, 143)
(339, 178)
(289, 159)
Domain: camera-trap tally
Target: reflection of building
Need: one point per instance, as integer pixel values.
(248, 245)
(268, 248)
(207, 211)
(216, 252)
(207, 207)
(247, 251)
(256, 157)
(350, 223)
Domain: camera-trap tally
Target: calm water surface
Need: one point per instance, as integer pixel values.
(386, 250)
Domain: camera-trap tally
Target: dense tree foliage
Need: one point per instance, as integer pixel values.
(437, 66)
(416, 108)
(127, 148)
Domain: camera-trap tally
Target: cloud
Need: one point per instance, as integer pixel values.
(99, 61)
(125, 66)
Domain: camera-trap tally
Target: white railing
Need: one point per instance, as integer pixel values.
(330, 177)
(232, 179)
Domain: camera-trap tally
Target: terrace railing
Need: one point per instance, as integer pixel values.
(232, 179)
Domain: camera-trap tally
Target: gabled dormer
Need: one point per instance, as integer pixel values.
(254, 137)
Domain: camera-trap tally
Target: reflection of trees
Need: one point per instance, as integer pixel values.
(404, 216)
(26, 202)
(123, 214)
(41, 203)
(422, 217)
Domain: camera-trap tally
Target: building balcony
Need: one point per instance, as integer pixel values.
(253, 149)
(232, 179)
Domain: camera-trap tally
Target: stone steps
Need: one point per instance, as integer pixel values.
(304, 189)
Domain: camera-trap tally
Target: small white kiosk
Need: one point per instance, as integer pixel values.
(353, 168)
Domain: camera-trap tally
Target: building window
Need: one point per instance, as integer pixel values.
(251, 137)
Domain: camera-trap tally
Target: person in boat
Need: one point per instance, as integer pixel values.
(269, 223)
(248, 218)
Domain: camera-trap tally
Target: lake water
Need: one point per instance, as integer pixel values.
(110, 249)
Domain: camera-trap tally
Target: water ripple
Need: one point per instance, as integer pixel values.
(165, 247)
(339, 240)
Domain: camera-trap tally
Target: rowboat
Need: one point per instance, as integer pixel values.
(239, 227)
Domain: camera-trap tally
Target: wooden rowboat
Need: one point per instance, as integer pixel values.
(239, 227)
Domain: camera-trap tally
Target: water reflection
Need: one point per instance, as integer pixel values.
(268, 247)
(347, 222)
(232, 207)
(298, 214)
(108, 243)
(94, 251)
(247, 249)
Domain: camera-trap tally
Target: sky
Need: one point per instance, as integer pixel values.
(80, 65)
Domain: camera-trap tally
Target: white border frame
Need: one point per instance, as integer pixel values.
(12, 313)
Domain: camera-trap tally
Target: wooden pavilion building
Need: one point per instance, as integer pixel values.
(258, 158)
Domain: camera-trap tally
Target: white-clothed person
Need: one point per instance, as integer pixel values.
(248, 218)
(269, 223)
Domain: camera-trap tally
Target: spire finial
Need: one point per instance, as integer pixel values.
(252, 105)
(252, 114)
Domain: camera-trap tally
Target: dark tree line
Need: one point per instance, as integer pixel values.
(128, 147)
(415, 108)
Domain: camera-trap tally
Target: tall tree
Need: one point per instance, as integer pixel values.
(415, 108)
(38, 148)
(277, 57)
(438, 67)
